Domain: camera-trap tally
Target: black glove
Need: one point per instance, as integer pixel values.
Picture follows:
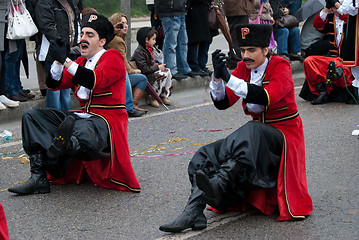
(330, 3)
(219, 65)
(57, 50)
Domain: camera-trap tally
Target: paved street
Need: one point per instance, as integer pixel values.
(165, 141)
(161, 144)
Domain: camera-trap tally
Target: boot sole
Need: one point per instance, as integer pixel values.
(330, 74)
(64, 133)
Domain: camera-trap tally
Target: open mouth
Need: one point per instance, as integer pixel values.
(84, 45)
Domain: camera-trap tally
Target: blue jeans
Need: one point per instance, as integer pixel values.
(129, 101)
(138, 81)
(288, 40)
(175, 44)
(197, 56)
(59, 99)
(12, 69)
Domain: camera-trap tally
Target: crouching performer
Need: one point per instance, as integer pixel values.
(89, 143)
(263, 162)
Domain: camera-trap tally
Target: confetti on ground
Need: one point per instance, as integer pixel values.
(141, 195)
(165, 155)
(10, 153)
(216, 130)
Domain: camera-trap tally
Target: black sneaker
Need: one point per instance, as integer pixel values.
(193, 74)
(135, 113)
(178, 76)
(64, 132)
(27, 95)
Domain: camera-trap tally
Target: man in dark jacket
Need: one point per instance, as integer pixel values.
(172, 15)
(58, 19)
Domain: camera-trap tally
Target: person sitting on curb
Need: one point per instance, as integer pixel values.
(91, 141)
(263, 162)
(157, 74)
(137, 82)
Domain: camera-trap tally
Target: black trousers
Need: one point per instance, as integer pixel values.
(257, 147)
(39, 128)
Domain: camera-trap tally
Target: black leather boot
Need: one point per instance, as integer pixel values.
(323, 96)
(192, 216)
(38, 182)
(215, 186)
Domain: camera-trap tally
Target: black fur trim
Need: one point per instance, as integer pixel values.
(50, 82)
(222, 104)
(84, 77)
(256, 94)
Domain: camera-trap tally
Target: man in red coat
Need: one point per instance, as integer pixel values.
(89, 142)
(326, 77)
(3, 225)
(263, 162)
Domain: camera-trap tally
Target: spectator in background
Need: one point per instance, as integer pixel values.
(293, 5)
(58, 19)
(158, 75)
(288, 39)
(14, 54)
(199, 36)
(265, 18)
(135, 82)
(175, 45)
(4, 101)
(236, 12)
(312, 41)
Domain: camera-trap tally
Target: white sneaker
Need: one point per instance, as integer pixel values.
(2, 106)
(8, 102)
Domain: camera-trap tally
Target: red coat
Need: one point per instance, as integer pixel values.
(106, 100)
(291, 193)
(4, 235)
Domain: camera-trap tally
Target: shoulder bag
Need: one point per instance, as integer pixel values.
(212, 14)
(258, 19)
(20, 23)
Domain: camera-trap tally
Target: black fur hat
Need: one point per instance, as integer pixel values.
(101, 25)
(257, 35)
(141, 35)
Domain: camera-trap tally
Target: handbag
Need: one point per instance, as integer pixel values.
(287, 21)
(212, 14)
(20, 23)
(258, 19)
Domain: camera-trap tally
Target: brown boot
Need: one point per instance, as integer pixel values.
(136, 96)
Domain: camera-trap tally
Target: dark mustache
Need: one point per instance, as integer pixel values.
(248, 60)
(84, 41)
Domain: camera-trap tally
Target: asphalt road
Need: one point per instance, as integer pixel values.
(165, 142)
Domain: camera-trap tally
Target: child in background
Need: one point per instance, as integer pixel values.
(157, 74)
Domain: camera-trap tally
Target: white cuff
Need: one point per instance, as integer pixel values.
(323, 15)
(56, 71)
(218, 91)
(73, 68)
(238, 86)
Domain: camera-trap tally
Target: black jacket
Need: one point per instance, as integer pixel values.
(52, 20)
(169, 8)
(142, 57)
